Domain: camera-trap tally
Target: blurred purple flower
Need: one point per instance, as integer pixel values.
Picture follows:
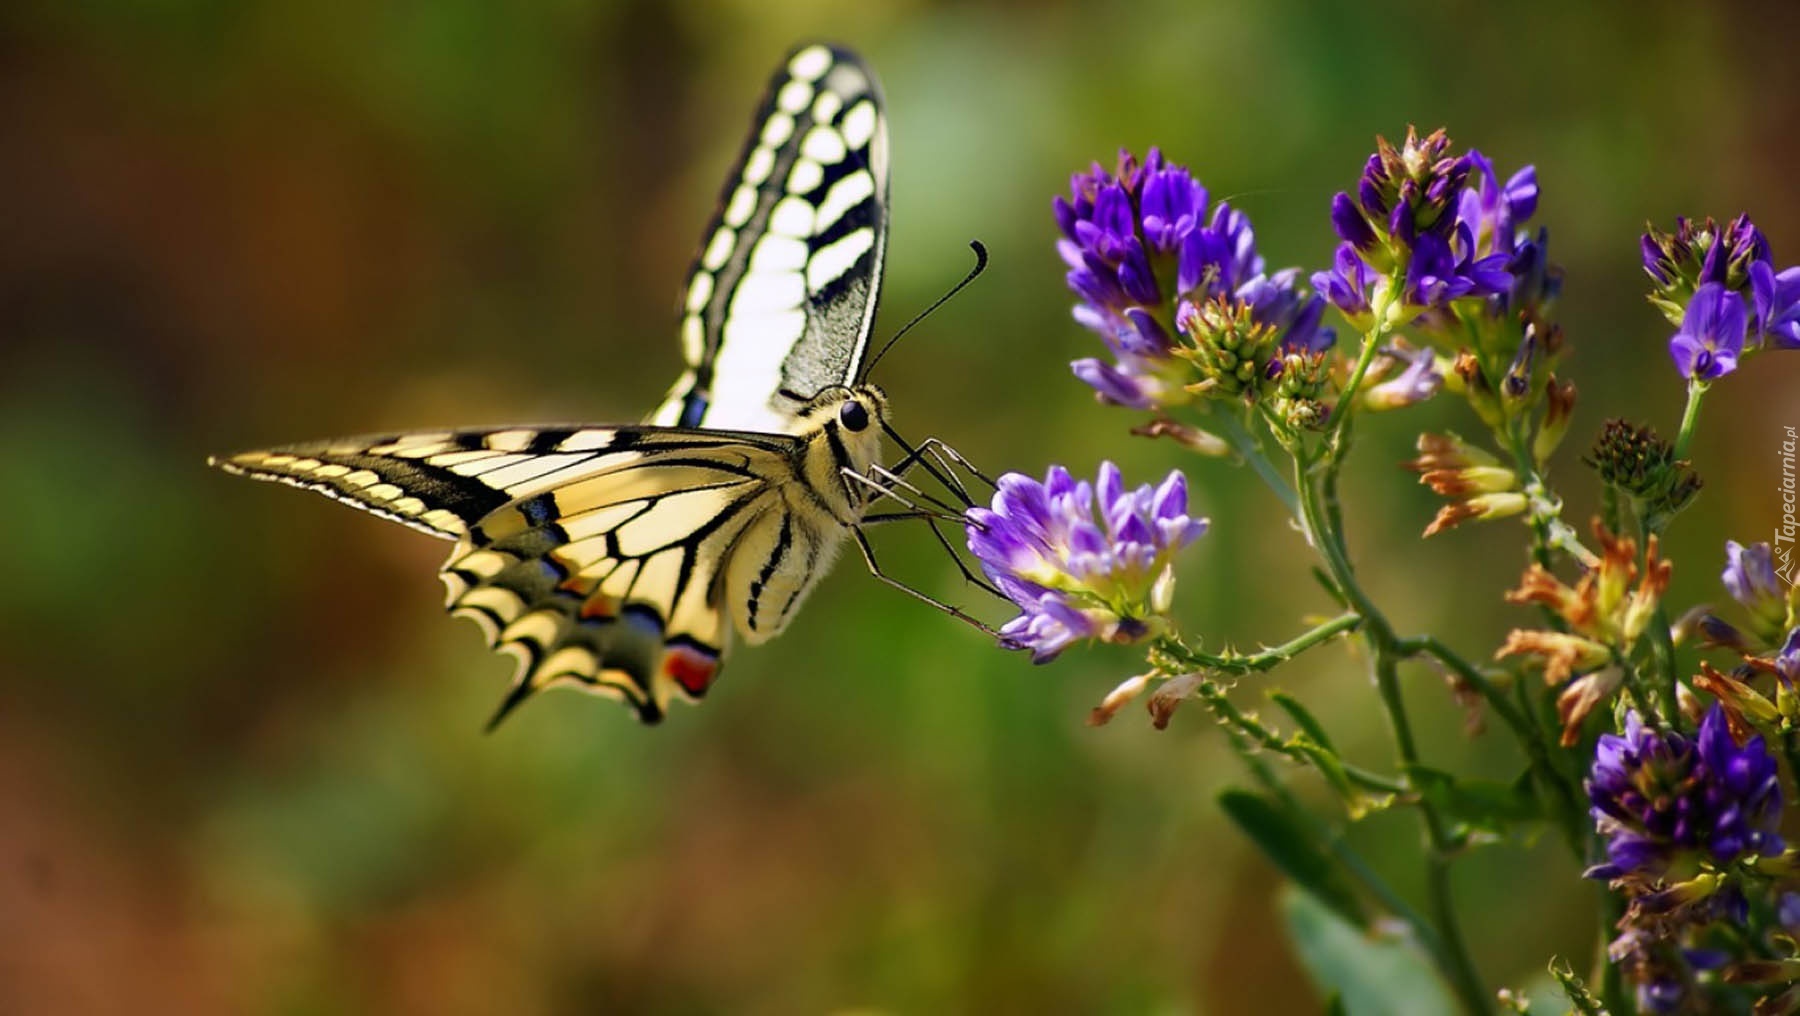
(1751, 580)
(1419, 381)
(1787, 659)
(1082, 561)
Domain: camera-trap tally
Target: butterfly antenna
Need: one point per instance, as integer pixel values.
(981, 261)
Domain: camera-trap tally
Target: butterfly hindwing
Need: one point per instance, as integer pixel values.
(780, 300)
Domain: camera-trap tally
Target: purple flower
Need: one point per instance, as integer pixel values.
(1777, 298)
(1719, 285)
(1410, 191)
(1493, 211)
(1082, 561)
(1440, 271)
(1221, 258)
(1536, 280)
(1443, 226)
(1139, 242)
(1495, 215)
(1669, 803)
(1113, 226)
(1712, 334)
(1352, 285)
(1787, 911)
(1276, 302)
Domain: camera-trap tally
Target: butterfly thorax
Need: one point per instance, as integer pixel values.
(783, 554)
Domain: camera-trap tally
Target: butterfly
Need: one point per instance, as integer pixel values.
(622, 560)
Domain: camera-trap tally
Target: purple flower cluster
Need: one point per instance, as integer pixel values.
(1719, 285)
(1138, 243)
(1082, 561)
(1426, 228)
(1698, 252)
(1669, 803)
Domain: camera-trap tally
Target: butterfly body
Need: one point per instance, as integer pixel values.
(622, 559)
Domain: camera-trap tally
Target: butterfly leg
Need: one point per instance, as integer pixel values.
(880, 482)
(932, 516)
(868, 553)
(947, 451)
(942, 540)
(935, 457)
(949, 459)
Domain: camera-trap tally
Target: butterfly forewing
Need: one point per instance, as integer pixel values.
(780, 300)
(594, 555)
(439, 482)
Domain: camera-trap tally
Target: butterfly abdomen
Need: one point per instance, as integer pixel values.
(775, 563)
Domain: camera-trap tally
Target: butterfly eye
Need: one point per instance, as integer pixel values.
(853, 416)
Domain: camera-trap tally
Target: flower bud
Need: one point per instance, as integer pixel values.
(1559, 409)
(1641, 465)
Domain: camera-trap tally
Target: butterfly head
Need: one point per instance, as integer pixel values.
(854, 412)
(843, 425)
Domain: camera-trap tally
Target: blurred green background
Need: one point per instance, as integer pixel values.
(241, 760)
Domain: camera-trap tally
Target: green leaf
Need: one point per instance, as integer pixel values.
(1290, 846)
(1483, 805)
(1303, 719)
(1367, 973)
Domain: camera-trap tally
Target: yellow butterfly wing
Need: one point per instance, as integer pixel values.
(596, 556)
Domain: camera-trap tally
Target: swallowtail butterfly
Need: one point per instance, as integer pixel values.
(621, 559)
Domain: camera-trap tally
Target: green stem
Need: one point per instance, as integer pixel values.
(1548, 530)
(1662, 644)
(1496, 699)
(1249, 445)
(1635, 691)
(1185, 659)
(1570, 812)
(1347, 401)
(1451, 952)
(1790, 750)
(1212, 695)
(1690, 416)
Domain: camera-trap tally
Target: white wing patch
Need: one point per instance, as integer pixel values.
(779, 304)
